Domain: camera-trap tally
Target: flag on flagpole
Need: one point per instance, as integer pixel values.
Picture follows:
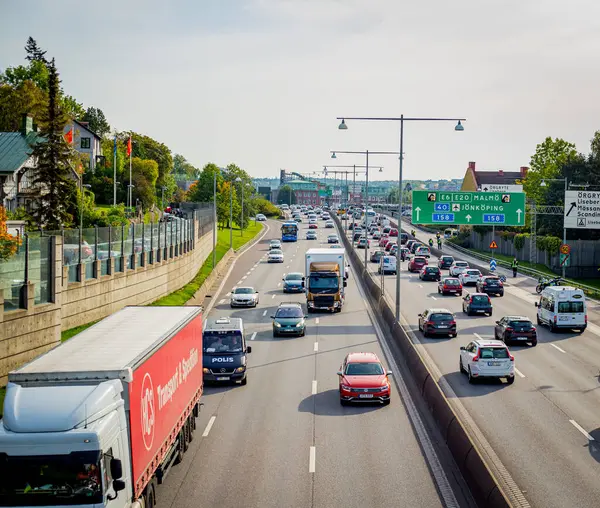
(115, 146)
(129, 147)
(69, 136)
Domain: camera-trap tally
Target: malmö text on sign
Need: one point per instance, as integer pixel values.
(582, 210)
(475, 208)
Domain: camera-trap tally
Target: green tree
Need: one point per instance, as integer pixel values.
(546, 163)
(72, 108)
(36, 71)
(97, 121)
(145, 148)
(284, 194)
(34, 52)
(145, 173)
(16, 101)
(224, 195)
(184, 168)
(203, 189)
(56, 190)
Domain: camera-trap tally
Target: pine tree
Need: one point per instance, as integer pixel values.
(34, 52)
(56, 191)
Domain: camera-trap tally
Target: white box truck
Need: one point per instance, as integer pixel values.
(324, 279)
(99, 420)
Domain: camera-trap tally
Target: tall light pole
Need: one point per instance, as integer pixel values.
(543, 184)
(214, 254)
(366, 154)
(401, 119)
(353, 167)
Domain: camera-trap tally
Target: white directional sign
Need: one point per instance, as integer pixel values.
(582, 210)
(501, 188)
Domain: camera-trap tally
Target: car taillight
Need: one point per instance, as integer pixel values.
(586, 319)
(489, 300)
(533, 329)
(452, 323)
(509, 329)
(476, 358)
(555, 319)
(471, 300)
(512, 358)
(430, 323)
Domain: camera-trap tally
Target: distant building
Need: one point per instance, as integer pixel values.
(306, 192)
(476, 180)
(265, 192)
(85, 141)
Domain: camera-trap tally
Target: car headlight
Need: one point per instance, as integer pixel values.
(347, 388)
(276, 324)
(206, 371)
(384, 388)
(240, 369)
(300, 324)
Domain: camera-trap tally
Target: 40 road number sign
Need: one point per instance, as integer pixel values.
(475, 208)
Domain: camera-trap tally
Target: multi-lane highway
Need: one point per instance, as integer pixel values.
(284, 439)
(544, 427)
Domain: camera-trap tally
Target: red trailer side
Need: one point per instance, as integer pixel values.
(164, 391)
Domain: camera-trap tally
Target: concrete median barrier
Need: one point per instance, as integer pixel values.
(484, 486)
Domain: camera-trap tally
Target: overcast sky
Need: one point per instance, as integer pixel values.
(261, 82)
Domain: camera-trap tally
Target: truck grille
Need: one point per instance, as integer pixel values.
(324, 301)
(222, 371)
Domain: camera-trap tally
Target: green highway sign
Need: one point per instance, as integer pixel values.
(464, 208)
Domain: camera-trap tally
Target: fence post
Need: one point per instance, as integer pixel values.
(23, 291)
(123, 247)
(110, 270)
(133, 255)
(152, 242)
(158, 251)
(166, 256)
(143, 256)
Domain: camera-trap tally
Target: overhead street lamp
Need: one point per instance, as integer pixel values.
(366, 154)
(543, 184)
(458, 127)
(238, 179)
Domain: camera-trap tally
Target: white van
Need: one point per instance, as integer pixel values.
(562, 307)
(388, 265)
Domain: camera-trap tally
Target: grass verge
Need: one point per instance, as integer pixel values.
(183, 295)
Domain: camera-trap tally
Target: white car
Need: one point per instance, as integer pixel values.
(275, 256)
(260, 217)
(329, 224)
(423, 251)
(244, 297)
(469, 276)
(487, 358)
(458, 267)
(312, 221)
(376, 235)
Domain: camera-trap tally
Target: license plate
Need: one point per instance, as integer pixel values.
(223, 378)
(521, 338)
(494, 364)
(563, 318)
(452, 291)
(440, 326)
(365, 396)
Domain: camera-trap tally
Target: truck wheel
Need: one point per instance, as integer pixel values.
(186, 435)
(192, 420)
(150, 496)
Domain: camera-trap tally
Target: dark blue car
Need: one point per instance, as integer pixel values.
(293, 283)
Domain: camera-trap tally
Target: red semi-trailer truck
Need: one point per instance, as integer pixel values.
(99, 420)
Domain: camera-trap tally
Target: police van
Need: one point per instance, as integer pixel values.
(562, 307)
(225, 351)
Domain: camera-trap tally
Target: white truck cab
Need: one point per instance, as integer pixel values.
(562, 307)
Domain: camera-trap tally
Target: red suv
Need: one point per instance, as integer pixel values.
(362, 378)
(416, 264)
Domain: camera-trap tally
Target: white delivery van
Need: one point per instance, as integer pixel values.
(562, 307)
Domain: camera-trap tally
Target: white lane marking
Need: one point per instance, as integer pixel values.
(317, 321)
(519, 373)
(252, 269)
(420, 285)
(244, 277)
(253, 336)
(312, 459)
(279, 284)
(314, 387)
(316, 347)
(209, 426)
(242, 280)
(287, 266)
(221, 302)
(265, 313)
(248, 273)
(556, 347)
(272, 296)
(433, 298)
(582, 430)
(478, 336)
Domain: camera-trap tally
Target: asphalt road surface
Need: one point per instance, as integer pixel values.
(284, 440)
(545, 427)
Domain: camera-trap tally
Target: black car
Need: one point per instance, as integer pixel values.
(474, 303)
(437, 322)
(491, 285)
(445, 262)
(357, 235)
(515, 329)
(430, 273)
(403, 238)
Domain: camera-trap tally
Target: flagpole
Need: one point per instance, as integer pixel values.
(129, 148)
(115, 172)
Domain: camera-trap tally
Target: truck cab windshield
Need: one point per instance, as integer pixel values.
(52, 480)
(320, 282)
(222, 342)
